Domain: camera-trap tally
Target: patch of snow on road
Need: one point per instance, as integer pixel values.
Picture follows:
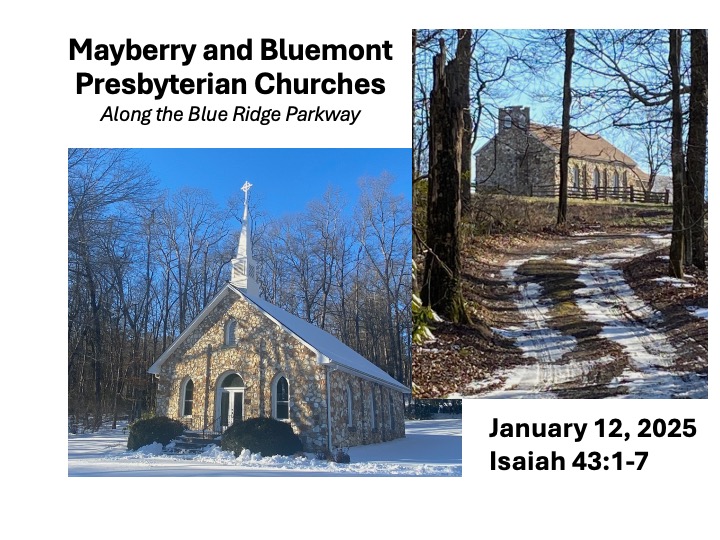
(701, 312)
(534, 337)
(662, 384)
(609, 300)
(536, 380)
(622, 255)
(675, 282)
(659, 239)
(588, 233)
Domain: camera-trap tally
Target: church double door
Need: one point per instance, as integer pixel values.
(231, 407)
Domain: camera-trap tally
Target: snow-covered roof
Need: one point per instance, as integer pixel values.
(329, 349)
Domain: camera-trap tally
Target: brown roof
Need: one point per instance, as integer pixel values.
(582, 145)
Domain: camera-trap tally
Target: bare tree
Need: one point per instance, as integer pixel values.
(565, 132)
(656, 151)
(192, 227)
(677, 244)
(463, 58)
(644, 74)
(106, 191)
(442, 283)
(383, 224)
(697, 144)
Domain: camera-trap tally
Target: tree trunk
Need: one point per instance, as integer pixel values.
(462, 57)
(697, 144)
(565, 133)
(441, 281)
(677, 244)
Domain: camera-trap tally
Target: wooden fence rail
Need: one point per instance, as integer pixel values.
(628, 194)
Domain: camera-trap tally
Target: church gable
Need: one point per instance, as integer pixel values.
(236, 324)
(515, 160)
(235, 338)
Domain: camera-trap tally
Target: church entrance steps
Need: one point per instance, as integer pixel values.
(191, 443)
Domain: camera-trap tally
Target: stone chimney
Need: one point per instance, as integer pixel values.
(516, 117)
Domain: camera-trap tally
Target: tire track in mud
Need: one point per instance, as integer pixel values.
(535, 337)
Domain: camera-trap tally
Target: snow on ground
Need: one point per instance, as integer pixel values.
(609, 300)
(656, 383)
(534, 381)
(430, 448)
(626, 319)
(534, 337)
(675, 282)
(701, 312)
(588, 233)
(661, 239)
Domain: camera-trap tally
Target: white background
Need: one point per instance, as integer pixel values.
(675, 495)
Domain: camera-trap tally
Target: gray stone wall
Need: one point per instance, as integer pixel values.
(261, 353)
(518, 164)
(513, 160)
(389, 411)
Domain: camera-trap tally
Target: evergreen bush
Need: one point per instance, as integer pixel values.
(159, 429)
(425, 409)
(420, 410)
(266, 436)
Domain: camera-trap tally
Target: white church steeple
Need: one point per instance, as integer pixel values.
(243, 266)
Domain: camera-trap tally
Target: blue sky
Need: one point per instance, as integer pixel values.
(284, 180)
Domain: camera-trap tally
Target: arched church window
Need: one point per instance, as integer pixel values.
(230, 330)
(576, 177)
(187, 397)
(281, 399)
(507, 121)
(373, 409)
(596, 178)
(616, 182)
(348, 391)
(392, 413)
(233, 381)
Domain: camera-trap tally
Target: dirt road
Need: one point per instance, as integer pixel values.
(579, 330)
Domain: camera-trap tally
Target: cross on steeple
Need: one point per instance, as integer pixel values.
(246, 187)
(243, 266)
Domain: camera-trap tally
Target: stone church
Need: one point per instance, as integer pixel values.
(243, 357)
(524, 159)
